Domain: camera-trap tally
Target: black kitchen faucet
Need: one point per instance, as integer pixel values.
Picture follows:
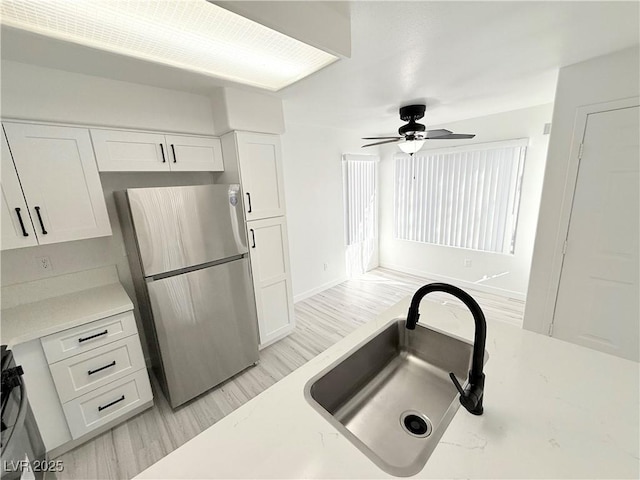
(471, 397)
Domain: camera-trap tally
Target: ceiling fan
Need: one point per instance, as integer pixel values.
(413, 134)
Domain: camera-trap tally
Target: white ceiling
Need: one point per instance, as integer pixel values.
(465, 59)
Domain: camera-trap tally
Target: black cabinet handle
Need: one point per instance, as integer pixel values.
(112, 364)
(102, 407)
(162, 151)
(24, 230)
(84, 339)
(173, 150)
(44, 232)
(249, 199)
(253, 238)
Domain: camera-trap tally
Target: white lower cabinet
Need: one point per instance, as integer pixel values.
(107, 403)
(269, 253)
(85, 372)
(84, 380)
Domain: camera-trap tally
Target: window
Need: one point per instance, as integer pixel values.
(361, 216)
(464, 197)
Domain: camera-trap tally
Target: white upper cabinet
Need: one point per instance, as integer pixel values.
(60, 181)
(195, 154)
(17, 230)
(122, 151)
(260, 161)
(127, 151)
(269, 252)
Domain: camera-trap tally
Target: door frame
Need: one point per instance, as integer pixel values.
(566, 207)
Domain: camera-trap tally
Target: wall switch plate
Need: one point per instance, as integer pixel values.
(325, 266)
(467, 262)
(44, 263)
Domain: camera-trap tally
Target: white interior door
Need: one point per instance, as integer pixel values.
(60, 181)
(17, 230)
(261, 171)
(597, 302)
(269, 250)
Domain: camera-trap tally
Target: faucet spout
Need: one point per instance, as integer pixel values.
(472, 397)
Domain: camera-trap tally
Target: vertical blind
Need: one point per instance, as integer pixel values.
(360, 197)
(361, 211)
(465, 197)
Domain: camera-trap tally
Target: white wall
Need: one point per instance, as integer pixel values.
(601, 79)
(241, 109)
(446, 263)
(36, 93)
(312, 158)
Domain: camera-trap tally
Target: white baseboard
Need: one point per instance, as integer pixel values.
(313, 291)
(461, 283)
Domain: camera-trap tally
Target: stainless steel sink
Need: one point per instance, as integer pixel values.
(392, 396)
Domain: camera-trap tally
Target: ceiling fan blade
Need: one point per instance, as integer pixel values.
(381, 143)
(453, 136)
(380, 138)
(437, 133)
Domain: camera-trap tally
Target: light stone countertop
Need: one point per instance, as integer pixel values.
(61, 306)
(552, 410)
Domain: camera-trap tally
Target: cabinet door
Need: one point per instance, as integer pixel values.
(60, 181)
(261, 172)
(194, 154)
(269, 251)
(17, 230)
(122, 151)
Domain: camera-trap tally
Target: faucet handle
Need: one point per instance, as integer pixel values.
(456, 383)
(471, 399)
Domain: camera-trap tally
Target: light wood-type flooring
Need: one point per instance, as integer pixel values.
(321, 321)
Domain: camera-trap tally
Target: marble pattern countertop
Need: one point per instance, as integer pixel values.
(30, 321)
(552, 410)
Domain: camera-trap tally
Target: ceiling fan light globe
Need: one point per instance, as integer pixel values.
(411, 147)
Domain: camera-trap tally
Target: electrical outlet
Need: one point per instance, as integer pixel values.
(467, 262)
(325, 266)
(44, 263)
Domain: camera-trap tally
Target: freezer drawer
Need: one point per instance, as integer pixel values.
(180, 227)
(206, 327)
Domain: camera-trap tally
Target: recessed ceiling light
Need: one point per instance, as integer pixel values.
(190, 34)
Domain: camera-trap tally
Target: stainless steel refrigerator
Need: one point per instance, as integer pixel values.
(188, 255)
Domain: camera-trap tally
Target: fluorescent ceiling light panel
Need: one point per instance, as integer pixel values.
(190, 34)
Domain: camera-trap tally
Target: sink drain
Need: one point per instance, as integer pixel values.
(416, 424)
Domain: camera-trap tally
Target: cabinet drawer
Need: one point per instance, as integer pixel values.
(107, 403)
(82, 373)
(80, 339)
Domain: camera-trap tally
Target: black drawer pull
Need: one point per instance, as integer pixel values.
(24, 230)
(249, 198)
(173, 150)
(253, 238)
(162, 151)
(112, 364)
(44, 232)
(100, 408)
(84, 339)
